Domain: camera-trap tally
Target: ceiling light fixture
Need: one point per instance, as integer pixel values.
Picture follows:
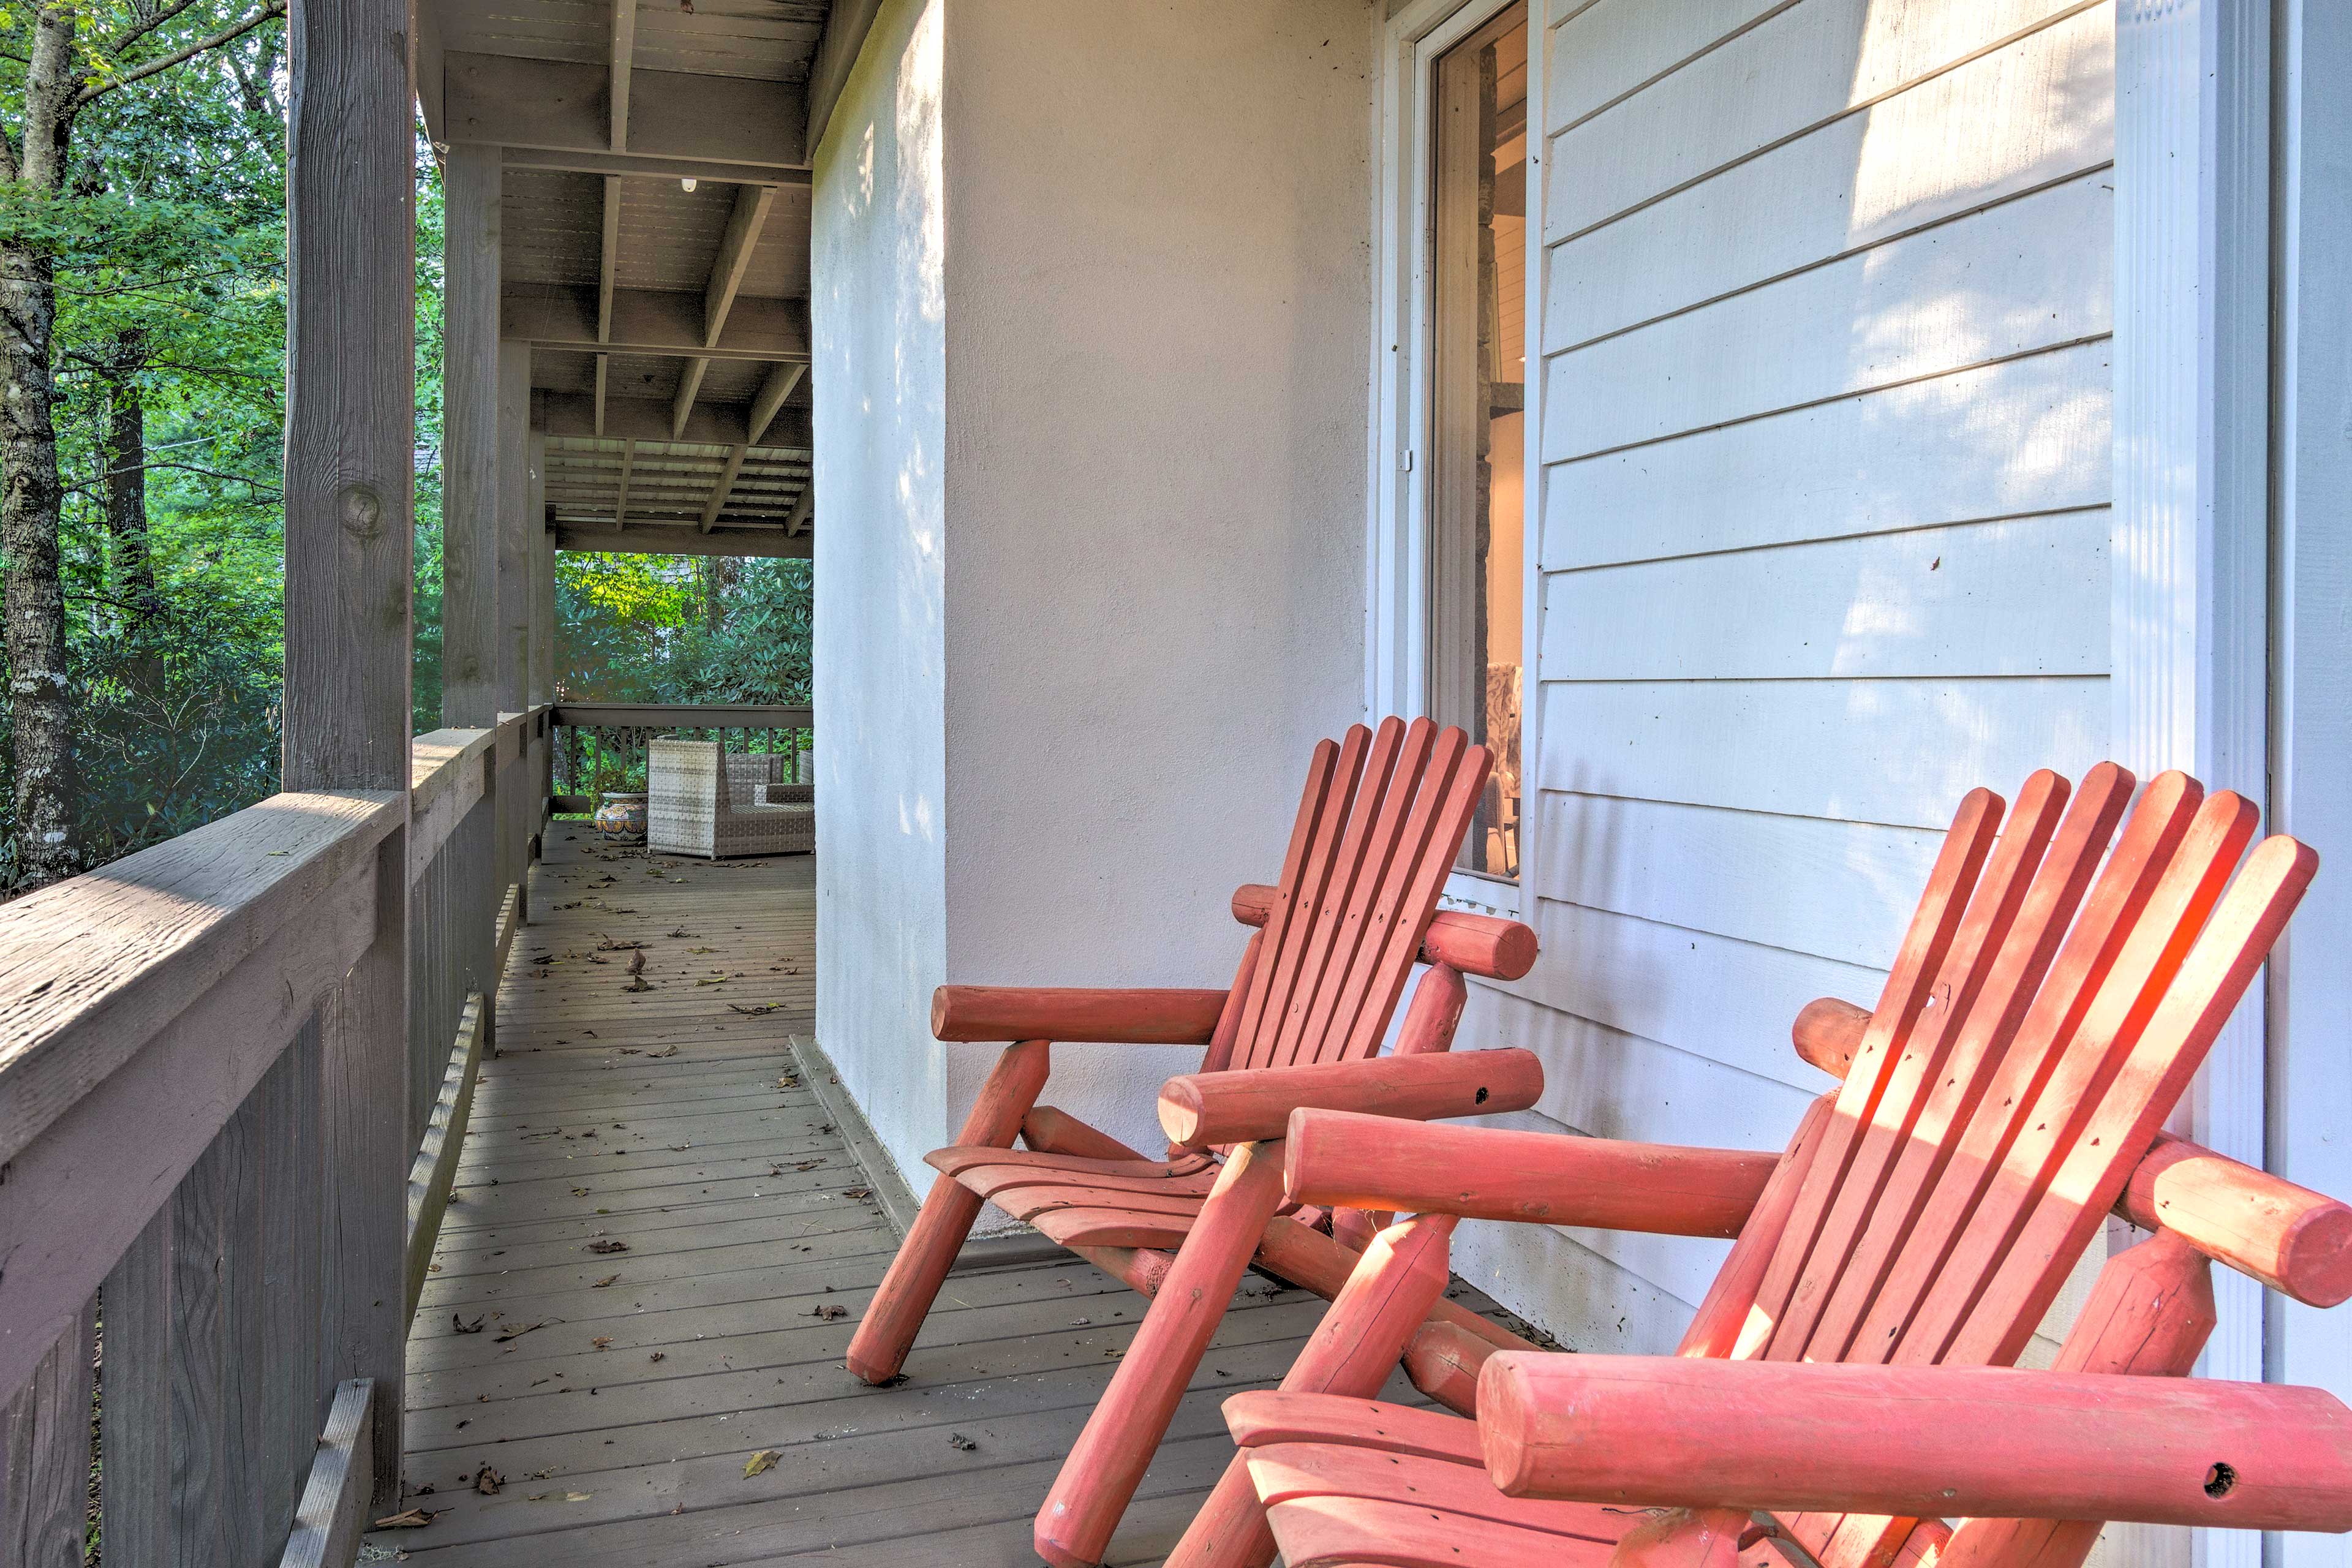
(686, 184)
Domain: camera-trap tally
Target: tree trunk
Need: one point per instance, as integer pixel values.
(133, 574)
(32, 498)
(39, 691)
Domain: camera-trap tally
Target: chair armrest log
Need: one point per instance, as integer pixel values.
(1083, 1014)
(2289, 1237)
(1475, 944)
(1202, 1109)
(1910, 1441)
(1541, 1178)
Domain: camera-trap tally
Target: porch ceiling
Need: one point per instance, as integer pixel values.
(667, 325)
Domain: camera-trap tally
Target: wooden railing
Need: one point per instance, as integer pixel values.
(202, 1149)
(607, 746)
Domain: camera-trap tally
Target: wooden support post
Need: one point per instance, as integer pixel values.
(542, 582)
(469, 438)
(349, 539)
(515, 551)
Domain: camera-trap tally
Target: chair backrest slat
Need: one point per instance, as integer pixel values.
(1934, 925)
(1394, 931)
(1285, 954)
(1376, 831)
(1312, 800)
(1958, 1079)
(2011, 1081)
(1382, 855)
(1355, 871)
(1858, 1208)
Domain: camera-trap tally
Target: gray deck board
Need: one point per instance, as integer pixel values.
(624, 1419)
(714, 1344)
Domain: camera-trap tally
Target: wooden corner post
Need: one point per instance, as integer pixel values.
(351, 404)
(472, 183)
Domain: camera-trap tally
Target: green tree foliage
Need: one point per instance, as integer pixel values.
(167, 246)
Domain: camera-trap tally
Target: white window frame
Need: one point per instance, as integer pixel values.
(1396, 636)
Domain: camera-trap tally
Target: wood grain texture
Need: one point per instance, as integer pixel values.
(349, 396)
(363, 1023)
(45, 1454)
(746, 1361)
(473, 181)
(1784, 1436)
(435, 1167)
(102, 963)
(333, 1512)
(1205, 1109)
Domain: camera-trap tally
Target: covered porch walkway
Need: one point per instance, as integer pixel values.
(661, 1241)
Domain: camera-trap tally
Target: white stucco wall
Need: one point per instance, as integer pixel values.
(1071, 657)
(1157, 403)
(880, 360)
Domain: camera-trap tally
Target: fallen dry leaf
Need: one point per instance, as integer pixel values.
(765, 1459)
(413, 1519)
(608, 1279)
(664, 1051)
(602, 1342)
(608, 1247)
(517, 1333)
(460, 1325)
(828, 1312)
(487, 1481)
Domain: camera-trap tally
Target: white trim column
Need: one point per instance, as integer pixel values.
(2190, 540)
(2310, 982)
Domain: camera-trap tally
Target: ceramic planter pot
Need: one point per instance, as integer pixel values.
(622, 818)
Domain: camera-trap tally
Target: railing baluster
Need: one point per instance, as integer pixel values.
(44, 1455)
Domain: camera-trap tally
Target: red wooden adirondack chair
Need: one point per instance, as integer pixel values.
(1378, 826)
(2005, 1096)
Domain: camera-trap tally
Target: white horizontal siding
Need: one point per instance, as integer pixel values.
(1908, 457)
(1823, 542)
(2016, 279)
(1799, 67)
(1842, 889)
(2023, 116)
(2027, 596)
(1901, 752)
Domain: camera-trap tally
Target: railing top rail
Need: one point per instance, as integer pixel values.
(685, 715)
(92, 969)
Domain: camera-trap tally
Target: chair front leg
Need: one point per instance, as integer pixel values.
(895, 1314)
(1351, 1352)
(1106, 1463)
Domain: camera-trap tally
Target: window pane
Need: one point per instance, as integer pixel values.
(1478, 369)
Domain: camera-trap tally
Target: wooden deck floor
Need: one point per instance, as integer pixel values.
(657, 1252)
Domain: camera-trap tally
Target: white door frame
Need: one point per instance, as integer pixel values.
(1396, 590)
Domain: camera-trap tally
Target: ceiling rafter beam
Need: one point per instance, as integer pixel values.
(771, 401)
(724, 486)
(653, 321)
(623, 49)
(797, 524)
(620, 499)
(727, 270)
(608, 258)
